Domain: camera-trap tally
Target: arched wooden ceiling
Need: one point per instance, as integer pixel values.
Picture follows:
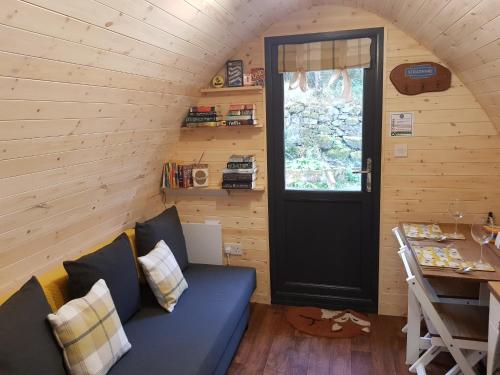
(465, 34)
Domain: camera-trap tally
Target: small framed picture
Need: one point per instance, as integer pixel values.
(258, 76)
(234, 73)
(247, 80)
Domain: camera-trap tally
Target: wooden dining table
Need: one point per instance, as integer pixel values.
(464, 283)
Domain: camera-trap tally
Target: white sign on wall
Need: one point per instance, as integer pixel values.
(402, 124)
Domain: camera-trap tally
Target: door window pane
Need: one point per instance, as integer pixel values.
(323, 119)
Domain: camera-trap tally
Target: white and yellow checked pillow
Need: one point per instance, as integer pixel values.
(90, 332)
(164, 275)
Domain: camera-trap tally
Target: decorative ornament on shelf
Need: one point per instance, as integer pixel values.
(247, 80)
(258, 76)
(200, 174)
(417, 78)
(234, 70)
(218, 81)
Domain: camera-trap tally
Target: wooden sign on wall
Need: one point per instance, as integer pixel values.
(413, 79)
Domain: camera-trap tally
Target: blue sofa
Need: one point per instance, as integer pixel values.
(199, 337)
(203, 332)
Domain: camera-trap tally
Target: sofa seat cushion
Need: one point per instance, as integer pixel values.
(192, 339)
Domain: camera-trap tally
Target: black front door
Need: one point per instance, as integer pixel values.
(324, 178)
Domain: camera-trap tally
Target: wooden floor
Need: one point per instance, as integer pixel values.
(272, 346)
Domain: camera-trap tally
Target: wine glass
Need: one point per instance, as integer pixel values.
(480, 234)
(456, 210)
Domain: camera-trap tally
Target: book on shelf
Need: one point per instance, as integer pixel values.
(240, 165)
(238, 185)
(176, 176)
(239, 170)
(242, 158)
(239, 177)
(242, 117)
(245, 112)
(242, 107)
(203, 114)
(205, 124)
(202, 108)
(191, 119)
(239, 122)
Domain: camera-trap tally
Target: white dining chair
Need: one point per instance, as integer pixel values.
(460, 329)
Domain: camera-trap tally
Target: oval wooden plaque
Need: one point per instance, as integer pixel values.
(416, 78)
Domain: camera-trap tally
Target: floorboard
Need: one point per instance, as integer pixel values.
(272, 347)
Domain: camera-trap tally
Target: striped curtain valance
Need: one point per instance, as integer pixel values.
(326, 55)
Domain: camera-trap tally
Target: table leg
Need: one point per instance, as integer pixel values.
(484, 294)
(413, 329)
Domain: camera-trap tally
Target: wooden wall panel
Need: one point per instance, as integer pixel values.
(91, 98)
(455, 153)
(98, 88)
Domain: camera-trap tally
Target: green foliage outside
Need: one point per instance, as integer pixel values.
(323, 133)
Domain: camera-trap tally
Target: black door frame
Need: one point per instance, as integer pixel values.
(371, 107)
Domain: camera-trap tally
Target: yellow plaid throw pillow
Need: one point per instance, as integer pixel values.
(90, 332)
(163, 275)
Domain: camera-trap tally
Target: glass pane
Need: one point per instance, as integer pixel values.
(323, 130)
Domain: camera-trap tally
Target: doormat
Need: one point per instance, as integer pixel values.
(328, 323)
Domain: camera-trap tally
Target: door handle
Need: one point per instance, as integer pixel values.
(368, 172)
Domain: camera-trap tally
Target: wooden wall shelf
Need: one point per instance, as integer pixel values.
(211, 190)
(223, 127)
(231, 89)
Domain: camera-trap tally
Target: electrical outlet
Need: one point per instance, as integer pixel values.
(232, 248)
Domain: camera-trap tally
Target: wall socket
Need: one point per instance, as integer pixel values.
(232, 248)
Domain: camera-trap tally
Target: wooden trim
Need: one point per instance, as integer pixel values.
(231, 89)
(373, 114)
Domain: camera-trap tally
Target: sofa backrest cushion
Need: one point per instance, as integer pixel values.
(90, 332)
(27, 345)
(115, 264)
(164, 275)
(167, 227)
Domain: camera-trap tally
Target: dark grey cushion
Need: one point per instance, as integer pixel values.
(193, 338)
(27, 345)
(116, 265)
(167, 227)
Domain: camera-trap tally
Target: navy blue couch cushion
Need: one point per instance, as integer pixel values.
(191, 340)
(116, 265)
(167, 227)
(27, 345)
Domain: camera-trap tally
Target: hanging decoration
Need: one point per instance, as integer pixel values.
(417, 78)
(346, 83)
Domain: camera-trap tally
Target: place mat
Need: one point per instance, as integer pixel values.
(447, 257)
(454, 236)
(433, 256)
(430, 231)
(476, 266)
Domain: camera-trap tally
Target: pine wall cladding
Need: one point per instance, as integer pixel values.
(455, 153)
(93, 93)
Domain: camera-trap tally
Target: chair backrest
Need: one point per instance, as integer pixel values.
(399, 237)
(423, 292)
(411, 266)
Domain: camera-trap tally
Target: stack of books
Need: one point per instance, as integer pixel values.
(176, 176)
(241, 172)
(202, 116)
(241, 114)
